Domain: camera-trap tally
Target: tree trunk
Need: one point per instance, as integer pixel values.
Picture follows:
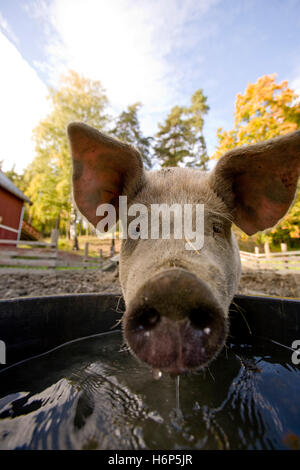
(73, 229)
(57, 222)
(68, 235)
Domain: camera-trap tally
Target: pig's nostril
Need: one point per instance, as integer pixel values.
(148, 318)
(200, 318)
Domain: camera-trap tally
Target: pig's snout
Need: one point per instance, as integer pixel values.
(175, 324)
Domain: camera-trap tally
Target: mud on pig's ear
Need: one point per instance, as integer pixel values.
(103, 169)
(258, 182)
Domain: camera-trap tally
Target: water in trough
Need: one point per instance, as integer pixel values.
(92, 394)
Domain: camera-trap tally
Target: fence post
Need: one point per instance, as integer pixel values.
(86, 254)
(256, 250)
(101, 258)
(267, 249)
(54, 237)
(112, 247)
(86, 249)
(54, 241)
(283, 247)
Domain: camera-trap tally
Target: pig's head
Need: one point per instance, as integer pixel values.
(177, 299)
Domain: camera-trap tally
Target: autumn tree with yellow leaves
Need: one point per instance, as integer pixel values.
(266, 110)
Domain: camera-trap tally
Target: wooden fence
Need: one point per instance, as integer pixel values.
(42, 254)
(278, 261)
(35, 254)
(84, 261)
(96, 262)
(30, 253)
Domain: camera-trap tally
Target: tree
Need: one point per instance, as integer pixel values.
(127, 129)
(180, 139)
(48, 177)
(173, 140)
(264, 111)
(16, 178)
(195, 114)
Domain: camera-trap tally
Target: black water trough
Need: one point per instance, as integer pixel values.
(31, 326)
(260, 354)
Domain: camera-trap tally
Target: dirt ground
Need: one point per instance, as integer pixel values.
(21, 282)
(270, 283)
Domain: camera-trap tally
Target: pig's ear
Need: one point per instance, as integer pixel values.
(258, 182)
(103, 169)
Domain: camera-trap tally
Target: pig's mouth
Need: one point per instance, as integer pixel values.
(175, 324)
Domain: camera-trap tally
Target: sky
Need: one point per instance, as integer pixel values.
(158, 52)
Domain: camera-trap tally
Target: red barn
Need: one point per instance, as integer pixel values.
(11, 208)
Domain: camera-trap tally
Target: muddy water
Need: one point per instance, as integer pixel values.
(92, 394)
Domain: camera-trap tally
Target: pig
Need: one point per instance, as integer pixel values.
(177, 300)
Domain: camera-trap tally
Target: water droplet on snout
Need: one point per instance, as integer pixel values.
(157, 374)
(206, 331)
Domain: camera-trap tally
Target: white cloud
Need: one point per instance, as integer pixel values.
(23, 104)
(4, 26)
(129, 45)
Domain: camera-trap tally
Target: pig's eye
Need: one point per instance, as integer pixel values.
(138, 228)
(217, 228)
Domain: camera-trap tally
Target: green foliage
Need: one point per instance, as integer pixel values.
(195, 115)
(173, 141)
(48, 177)
(127, 129)
(16, 178)
(180, 139)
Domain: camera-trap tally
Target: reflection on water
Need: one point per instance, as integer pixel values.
(93, 395)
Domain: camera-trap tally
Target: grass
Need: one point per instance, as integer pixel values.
(64, 268)
(23, 267)
(95, 244)
(57, 268)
